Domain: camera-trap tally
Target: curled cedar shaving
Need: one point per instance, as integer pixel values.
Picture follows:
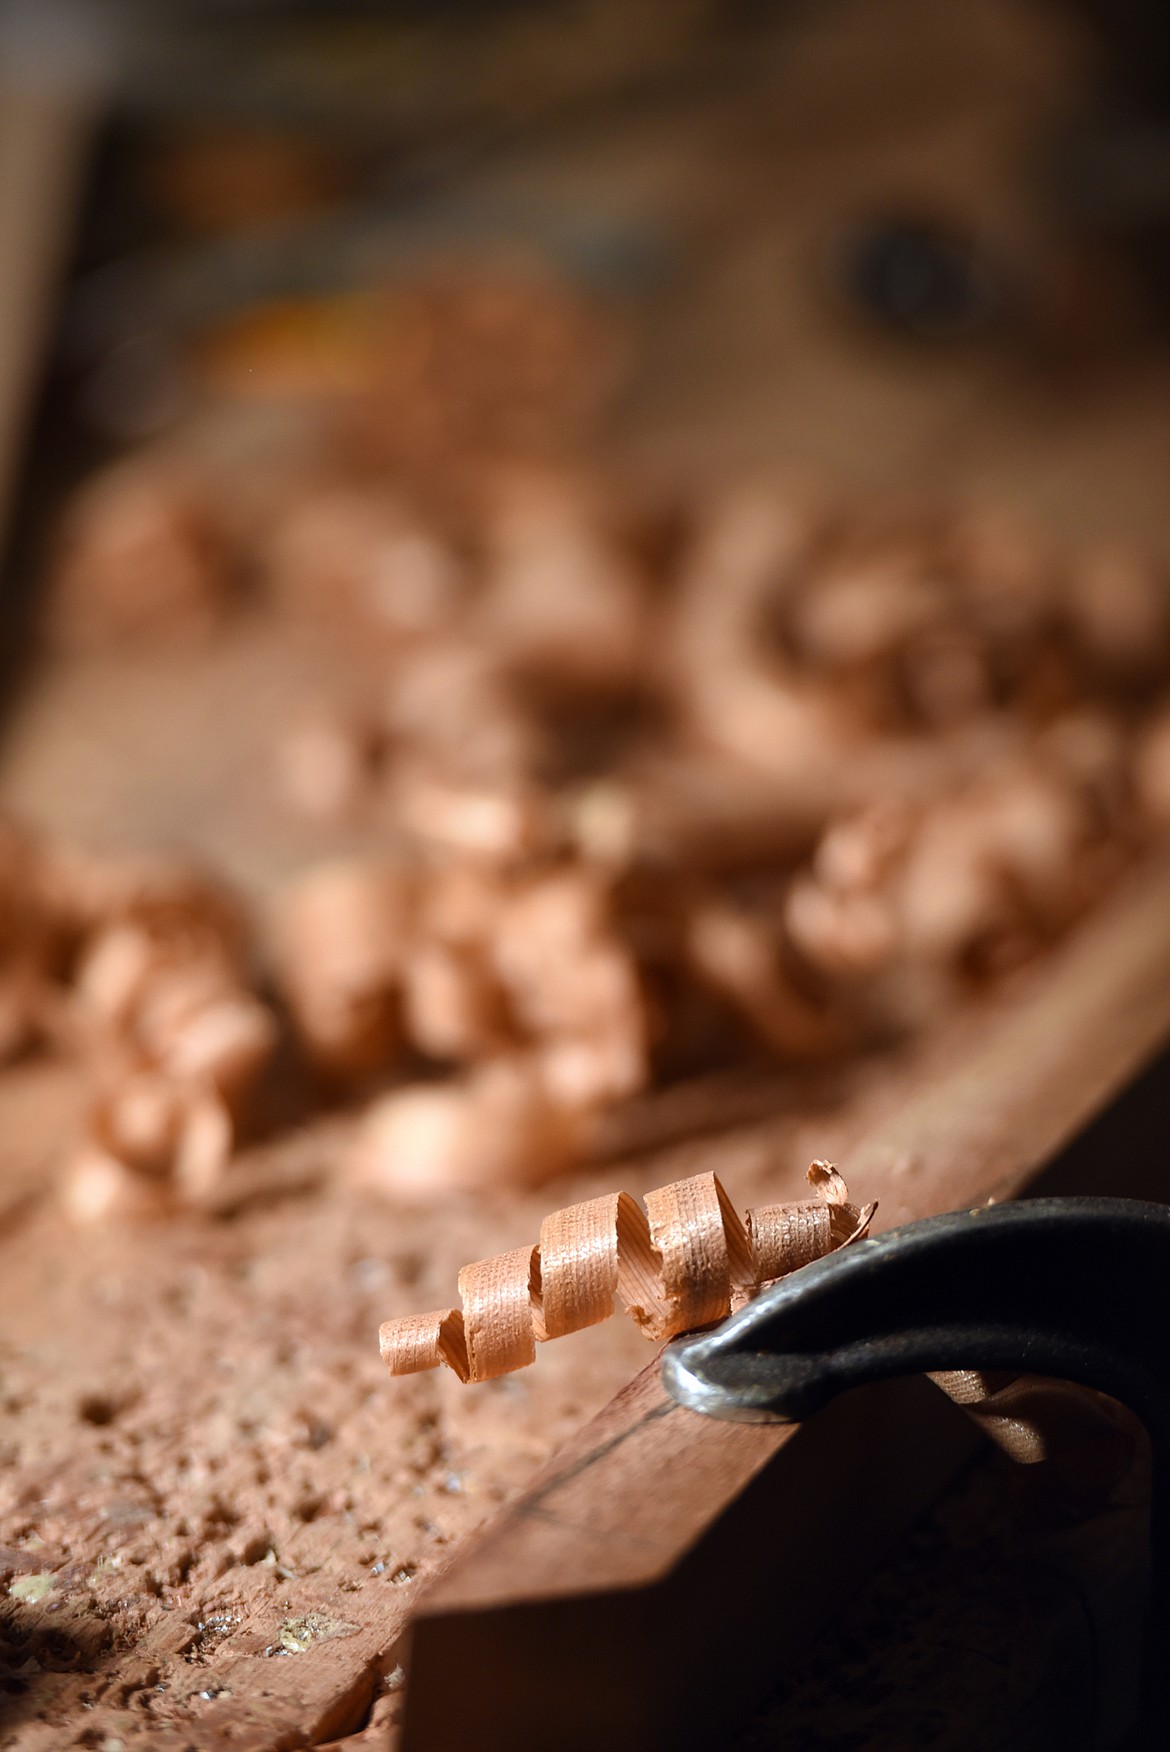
(340, 935)
(756, 708)
(1120, 612)
(143, 558)
(356, 554)
(738, 957)
(160, 1010)
(1089, 1440)
(469, 965)
(498, 1125)
(327, 764)
(560, 593)
(973, 881)
(480, 739)
(682, 1262)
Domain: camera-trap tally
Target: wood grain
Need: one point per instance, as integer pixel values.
(646, 1586)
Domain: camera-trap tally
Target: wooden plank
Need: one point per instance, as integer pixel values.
(648, 1583)
(596, 1659)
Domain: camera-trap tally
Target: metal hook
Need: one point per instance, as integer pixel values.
(1077, 1288)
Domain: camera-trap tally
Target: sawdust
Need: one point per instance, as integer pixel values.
(209, 1492)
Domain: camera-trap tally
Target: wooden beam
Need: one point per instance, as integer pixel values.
(646, 1588)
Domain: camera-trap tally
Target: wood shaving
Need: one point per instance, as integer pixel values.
(360, 553)
(142, 971)
(340, 935)
(468, 967)
(680, 1264)
(498, 1125)
(560, 594)
(1088, 1438)
(143, 558)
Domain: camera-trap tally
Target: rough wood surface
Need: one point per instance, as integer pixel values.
(594, 1563)
(224, 1505)
(153, 1479)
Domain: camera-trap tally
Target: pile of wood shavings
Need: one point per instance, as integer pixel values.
(659, 784)
(655, 784)
(142, 972)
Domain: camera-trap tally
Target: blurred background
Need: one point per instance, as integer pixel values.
(918, 251)
(715, 448)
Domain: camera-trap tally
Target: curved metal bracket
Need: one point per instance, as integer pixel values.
(1077, 1288)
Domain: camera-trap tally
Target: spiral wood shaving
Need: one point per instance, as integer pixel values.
(683, 1262)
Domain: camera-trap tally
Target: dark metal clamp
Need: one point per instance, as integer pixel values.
(1077, 1288)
